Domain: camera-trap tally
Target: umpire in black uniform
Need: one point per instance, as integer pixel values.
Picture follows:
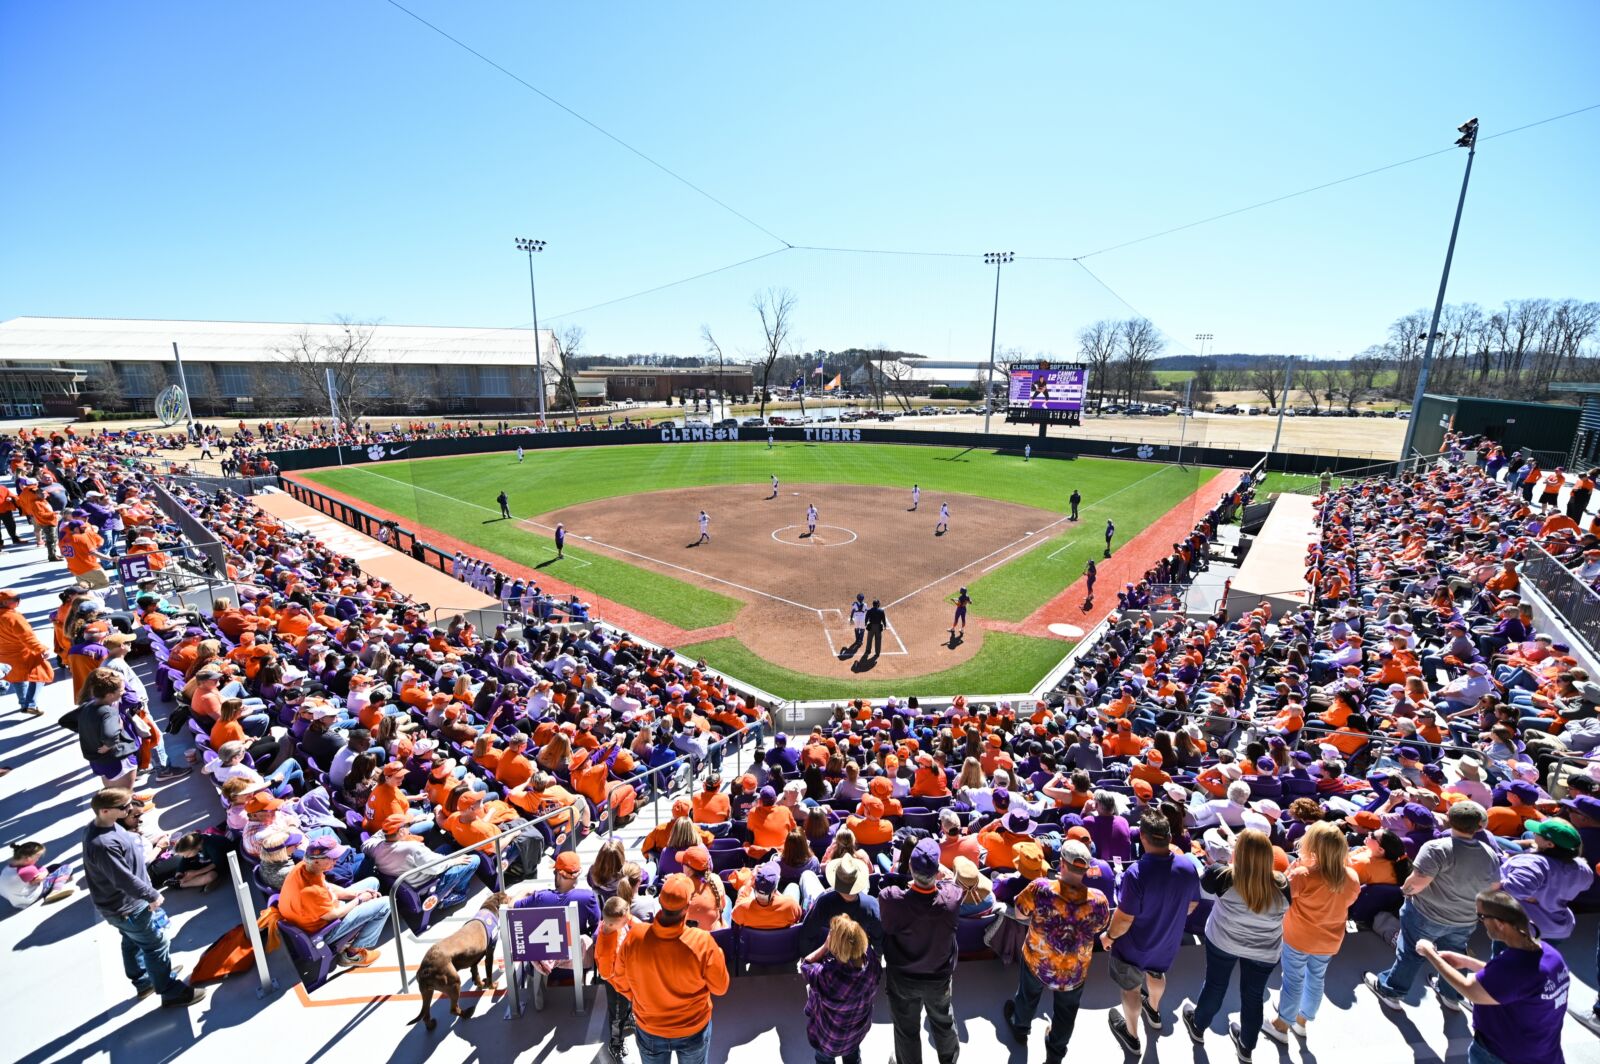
(875, 622)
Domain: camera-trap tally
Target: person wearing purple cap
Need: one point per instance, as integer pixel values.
(919, 947)
(350, 919)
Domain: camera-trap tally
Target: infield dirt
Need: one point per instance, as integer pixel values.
(798, 587)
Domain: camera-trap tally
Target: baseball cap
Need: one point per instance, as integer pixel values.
(1523, 790)
(395, 822)
(676, 890)
(1076, 854)
(695, 857)
(1562, 834)
(326, 847)
(768, 796)
(766, 878)
(681, 807)
(568, 862)
(872, 806)
(925, 858)
(262, 802)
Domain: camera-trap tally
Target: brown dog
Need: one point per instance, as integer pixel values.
(469, 946)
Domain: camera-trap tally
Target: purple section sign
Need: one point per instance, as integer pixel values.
(537, 934)
(133, 568)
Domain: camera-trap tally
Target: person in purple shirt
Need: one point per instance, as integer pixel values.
(1519, 996)
(1154, 901)
(568, 876)
(1108, 830)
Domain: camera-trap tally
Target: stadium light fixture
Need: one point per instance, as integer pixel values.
(531, 246)
(1204, 339)
(1469, 141)
(996, 259)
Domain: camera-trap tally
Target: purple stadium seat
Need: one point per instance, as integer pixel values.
(969, 935)
(313, 958)
(780, 947)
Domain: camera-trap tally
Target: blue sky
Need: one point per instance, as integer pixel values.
(295, 161)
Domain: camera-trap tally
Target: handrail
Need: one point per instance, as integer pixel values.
(497, 841)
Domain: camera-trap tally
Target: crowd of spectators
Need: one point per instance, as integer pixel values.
(1405, 751)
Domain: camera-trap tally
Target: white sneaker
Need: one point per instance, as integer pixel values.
(1455, 1004)
(1386, 999)
(1588, 1017)
(1270, 1029)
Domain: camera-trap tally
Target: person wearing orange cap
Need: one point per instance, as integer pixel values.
(397, 852)
(711, 807)
(870, 829)
(568, 889)
(708, 901)
(22, 653)
(929, 780)
(882, 788)
(670, 972)
(387, 799)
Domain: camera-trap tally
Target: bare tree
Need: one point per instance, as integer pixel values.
(1267, 378)
(899, 381)
(1097, 344)
(102, 388)
(1140, 345)
(1315, 383)
(345, 350)
(775, 307)
(714, 350)
(568, 345)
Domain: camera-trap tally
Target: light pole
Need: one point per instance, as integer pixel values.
(1204, 338)
(996, 259)
(1283, 401)
(531, 246)
(1469, 141)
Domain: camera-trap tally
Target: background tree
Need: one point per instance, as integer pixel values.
(714, 350)
(1267, 378)
(345, 348)
(1139, 345)
(568, 347)
(1097, 347)
(101, 388)
(775, 308)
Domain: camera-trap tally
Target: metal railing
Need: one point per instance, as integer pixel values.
(1575, 601)
(692, 762)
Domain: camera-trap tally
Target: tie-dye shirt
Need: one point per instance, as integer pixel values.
(1063, 921)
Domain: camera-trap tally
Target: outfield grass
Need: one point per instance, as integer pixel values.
(456, 496)
(1006, 664)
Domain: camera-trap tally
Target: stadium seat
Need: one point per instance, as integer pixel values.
(969, 935)
(761, 947)
(313, 958)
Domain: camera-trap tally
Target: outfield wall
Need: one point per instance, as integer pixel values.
(1051, 446)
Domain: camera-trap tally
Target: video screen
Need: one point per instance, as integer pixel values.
(1047, 389)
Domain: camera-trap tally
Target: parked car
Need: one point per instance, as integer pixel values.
(777, 419)
(1388, 413)
(1231, 408)
(753, 423)
(696, 423)
(886, 415)
(728, 423)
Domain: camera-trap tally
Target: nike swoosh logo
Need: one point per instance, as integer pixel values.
(1119, 450)
(398, 450)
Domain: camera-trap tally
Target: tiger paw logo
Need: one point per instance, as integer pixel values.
(375, 452)
(1145, 451)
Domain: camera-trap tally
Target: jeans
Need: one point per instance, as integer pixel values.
(1301, 993)
(27, 694)
(690, 1049)
(289, 774)
(908, 998)
(1414, 927)
(619, 1017)
(146, 953)
(455, 883)
(852, 1057)
(362, 926)
(1253, 976)
(1476, 1054)
(1063, 1016)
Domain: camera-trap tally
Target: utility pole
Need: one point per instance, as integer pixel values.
(1469, 141)
(995, 259)
(1283, 401)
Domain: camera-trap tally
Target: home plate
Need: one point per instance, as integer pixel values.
(1066, 631)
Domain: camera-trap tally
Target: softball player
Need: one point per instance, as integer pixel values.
(858, 617)
(944, 519)
(960, 620)
(1111, 530)
(520, 456)
(705, 528)
(774, 494)
(561, 540)
(916, 496)
(811, 520)
(1027, 451)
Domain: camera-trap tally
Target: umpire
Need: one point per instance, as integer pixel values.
(875, 622)
(919, 946)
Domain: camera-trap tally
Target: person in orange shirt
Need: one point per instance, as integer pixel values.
(8, 514)
(711, 806)
(708, 901)
(930, 780)
(388, 799)
(769, 823)
(870, 829)
(1506, 579)
(761, 906)
(1149, 770)
(513, 769)
(350, 919)
(882, 788)
(1123, 743)
(80, 547)
(670, 972)
(997, 845)
(617, 925)
(22, 653)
